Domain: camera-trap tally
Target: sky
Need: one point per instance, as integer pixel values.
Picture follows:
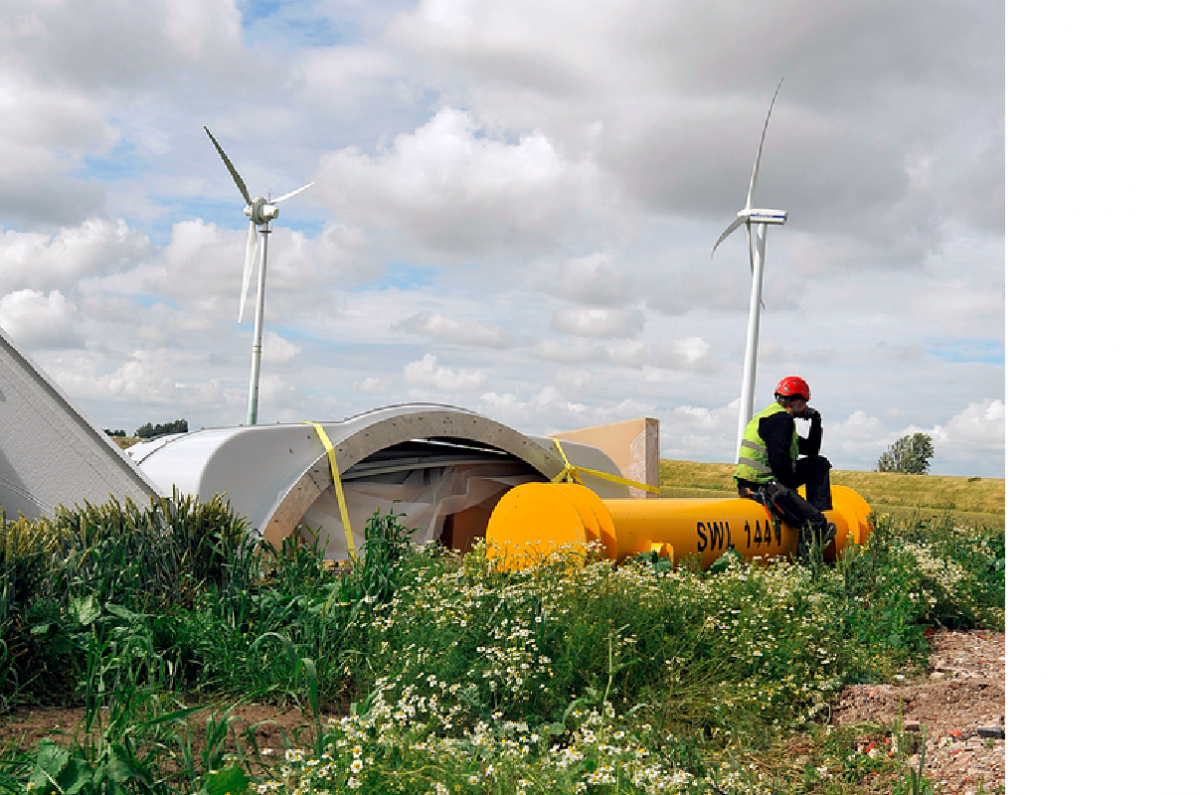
(514, 212)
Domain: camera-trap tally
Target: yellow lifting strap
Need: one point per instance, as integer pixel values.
(571, 473)
(337, 487)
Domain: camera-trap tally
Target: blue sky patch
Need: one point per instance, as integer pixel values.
(293, 25)
(123, 161)
(968, 351)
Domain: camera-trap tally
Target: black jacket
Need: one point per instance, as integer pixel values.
(776, 431)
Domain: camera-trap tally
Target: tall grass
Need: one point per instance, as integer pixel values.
(572, 676)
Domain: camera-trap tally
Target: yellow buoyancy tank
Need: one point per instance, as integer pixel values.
(537, 519)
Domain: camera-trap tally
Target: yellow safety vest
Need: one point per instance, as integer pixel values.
(752, 462)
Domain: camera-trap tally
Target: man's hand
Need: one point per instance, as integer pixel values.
(809, 413)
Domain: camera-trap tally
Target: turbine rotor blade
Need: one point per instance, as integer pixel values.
(232, 171)
(761, 141)
(728, 231)
(287, 196)
(248, 270)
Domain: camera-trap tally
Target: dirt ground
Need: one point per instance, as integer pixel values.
(959, 703)
(269, 729)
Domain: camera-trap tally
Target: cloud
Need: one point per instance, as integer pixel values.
(61, 260)
(372, 384)
(574, 351)
(596, 322)
(595, 281)
(465, 332)
(858, 428)
(690, 432)
(425, 372)
(628, 353)
(277, 350)
(689, 355)
(37, 321)
(147, 377)
(575, 381)
(979, 425)
(886, 354)
(970, 442)
(456, 187)
(95, 47)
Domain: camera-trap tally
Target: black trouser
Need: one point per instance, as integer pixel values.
(804, 515)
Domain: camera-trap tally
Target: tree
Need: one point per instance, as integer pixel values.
(909, 454)
(150, 430)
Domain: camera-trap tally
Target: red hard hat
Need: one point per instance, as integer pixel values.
(793, 386)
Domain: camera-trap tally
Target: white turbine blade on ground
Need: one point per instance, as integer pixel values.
(287, 196)
(232, 171)
(761, 141)
(248, 270)
(739, 221)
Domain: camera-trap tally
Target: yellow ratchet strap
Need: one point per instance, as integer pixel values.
(571, 473)
(337, 487)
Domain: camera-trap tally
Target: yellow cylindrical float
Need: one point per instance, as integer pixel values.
(535, 520)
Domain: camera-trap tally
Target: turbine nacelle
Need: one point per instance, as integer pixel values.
(764, 216)
(261, 211)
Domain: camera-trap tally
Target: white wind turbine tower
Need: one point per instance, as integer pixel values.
(755, 220)
(261, 212)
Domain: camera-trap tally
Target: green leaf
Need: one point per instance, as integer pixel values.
(85, 610)
(230, 781)
(122, 612)
(75, 776)
(51, 758)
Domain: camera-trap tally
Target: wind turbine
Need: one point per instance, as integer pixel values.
(756, 221)
(261, 212)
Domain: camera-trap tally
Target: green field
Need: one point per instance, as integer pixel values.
(975, 501)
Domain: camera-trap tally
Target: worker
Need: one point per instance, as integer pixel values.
(770, 467)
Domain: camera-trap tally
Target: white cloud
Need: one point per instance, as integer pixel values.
(574, 351)
(970, 442)
(596, 322)
(628, 353)
(277, 350)
(145, 376)
(465, 332)
(595, 281)
(425, 372)
(575, 381)
(456, 187)
(42, 260)
(125, 45)
(372, 384)
(979, 425)
(690, 355)
(36, 320)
